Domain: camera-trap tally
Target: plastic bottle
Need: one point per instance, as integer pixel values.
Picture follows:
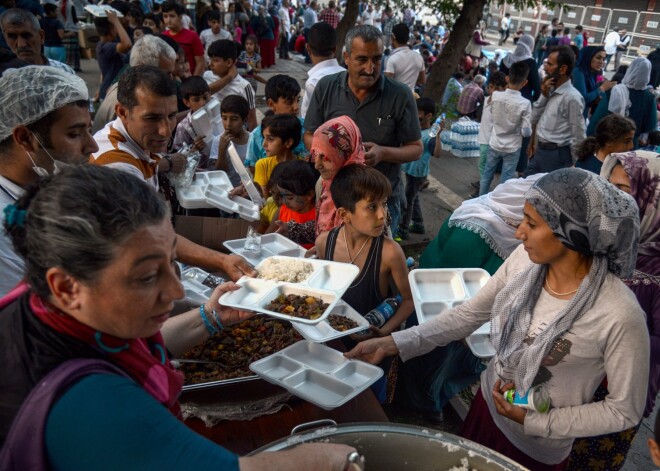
(536, 399)
(437, 124)
(379, 315)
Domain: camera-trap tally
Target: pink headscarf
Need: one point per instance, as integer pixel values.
(338, 141)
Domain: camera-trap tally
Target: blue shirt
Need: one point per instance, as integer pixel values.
(420, 168)
(255, 147)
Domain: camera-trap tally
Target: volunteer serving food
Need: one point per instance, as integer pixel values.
(560, 317)
(88, 382)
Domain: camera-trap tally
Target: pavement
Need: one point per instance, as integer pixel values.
(449, 186)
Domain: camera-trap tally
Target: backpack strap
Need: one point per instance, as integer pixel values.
(25, 446)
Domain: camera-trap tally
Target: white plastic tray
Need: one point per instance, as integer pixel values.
(436, 290)
(207, 122)
(246, 179)
(322, 332)
(271, 244)
(192, 197)
(192, 280)
(479, 342)
(327, 275)
(317, 373)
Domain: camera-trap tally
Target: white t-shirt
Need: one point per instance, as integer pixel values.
(207, 37)
(238, 86)
(367, 18)
(406, 65)
(611, 41)
(285, 20)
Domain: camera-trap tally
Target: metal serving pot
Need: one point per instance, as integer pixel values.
(393, 447)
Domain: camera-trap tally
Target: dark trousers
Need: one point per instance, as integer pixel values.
(284, 46)
(522, 160)
(504, 35)
(413, 208)
(548, 159)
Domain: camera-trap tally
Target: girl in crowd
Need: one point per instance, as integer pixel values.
(560, 317)
(86, 338)
(614, 133)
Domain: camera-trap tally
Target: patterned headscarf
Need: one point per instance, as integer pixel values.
(643, 168)
(338, 141)
(588, 215)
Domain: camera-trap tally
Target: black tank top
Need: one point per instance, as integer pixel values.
(364, 293)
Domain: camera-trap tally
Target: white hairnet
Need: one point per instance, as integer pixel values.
(30, 93)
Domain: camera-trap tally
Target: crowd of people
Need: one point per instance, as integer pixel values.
(88, 247)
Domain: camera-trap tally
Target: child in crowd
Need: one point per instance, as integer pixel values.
(512, 120)
(417, 171)
(53, 34)
(234, 112)
(249, 62)
(173, 14)
(282, 93)
(273, 202)
(238, 32)
(223, 54)
(153, 22)
(110, 54)
(496, 83)
(360, 194)
(281, 133)
(296, 185)
(140, 32)
(213, 33)
(654, 442)
(195, 93)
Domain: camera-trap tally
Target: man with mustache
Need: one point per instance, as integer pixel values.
(384, 110)
(25, 38)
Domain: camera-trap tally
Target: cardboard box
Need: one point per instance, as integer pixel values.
(88, 37)
(211, 232)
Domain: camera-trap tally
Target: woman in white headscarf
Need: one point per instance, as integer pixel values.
(631, 98)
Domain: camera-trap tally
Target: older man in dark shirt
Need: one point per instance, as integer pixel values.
(384, 110)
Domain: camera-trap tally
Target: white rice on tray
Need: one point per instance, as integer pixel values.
(291, 271)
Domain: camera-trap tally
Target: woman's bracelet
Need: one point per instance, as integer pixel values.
(210, 327)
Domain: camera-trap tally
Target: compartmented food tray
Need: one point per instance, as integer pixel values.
(325, 280)
(436, 290)
(479, 342)
(199, 284)
(317, 373)
(324, 332)
(271, 244)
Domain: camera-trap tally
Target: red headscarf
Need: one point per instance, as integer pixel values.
(338, 141)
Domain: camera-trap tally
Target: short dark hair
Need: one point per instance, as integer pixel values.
(567, 30)
(553, 33)
(224, 49)
(282, 86)
(654, 138)
(518, 72)
(171, 42)
(354, 183)
(322, 39)
(284, 126)
(565, 57)
(103, 26)
(401, 33)
(193, 86)
(149, 77)
(214, 15)
(458, 75)
(579, 27)
(145, 30)
(235, 104)
(498, 79)
(298, 177)
(50, 8)
(427, 105)
(121, 6)
(153, 17)
(173, 6)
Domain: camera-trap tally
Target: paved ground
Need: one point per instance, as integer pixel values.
(449, 185)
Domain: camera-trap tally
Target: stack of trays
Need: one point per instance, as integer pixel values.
(328, 281)
(207, 122)
(479, 342)
(211, 190)
(193, 280)
(317, 373)
(271, 245)
(436, 290)
(323, 332)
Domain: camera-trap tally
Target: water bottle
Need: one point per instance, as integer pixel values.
(379, 315)
(437, 124)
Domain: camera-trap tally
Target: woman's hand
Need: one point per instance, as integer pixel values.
(228, 316)
(504, 408)
(606, 85)
(373, 351)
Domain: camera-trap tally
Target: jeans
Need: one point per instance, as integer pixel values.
(394, 206)
(509, 161)
(413, 208)
(57, 53)
(483, 156)
(608, 57)
(504, 35)
(284, 46)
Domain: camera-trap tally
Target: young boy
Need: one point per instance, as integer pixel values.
(213, 33)
(109, 52)
(234, 112)
(224, 80)
(188, 40)
(281, 133)
(417, 171)
(360, 194)
(195, 93)
(282, 93)
(512, 120)
(53, 34)
(496, 83)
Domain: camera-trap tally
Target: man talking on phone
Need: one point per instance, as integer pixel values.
(556, 117)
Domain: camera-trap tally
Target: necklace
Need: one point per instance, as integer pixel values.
(547, 284)
(352, 259)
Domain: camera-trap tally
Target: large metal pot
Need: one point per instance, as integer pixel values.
(393, 447)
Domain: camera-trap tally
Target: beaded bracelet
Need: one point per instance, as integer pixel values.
(217, 319)
(212, 330)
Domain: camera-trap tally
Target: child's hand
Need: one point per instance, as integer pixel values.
(238, 191)
(225, 139)
(199, 143)
(282, 228)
